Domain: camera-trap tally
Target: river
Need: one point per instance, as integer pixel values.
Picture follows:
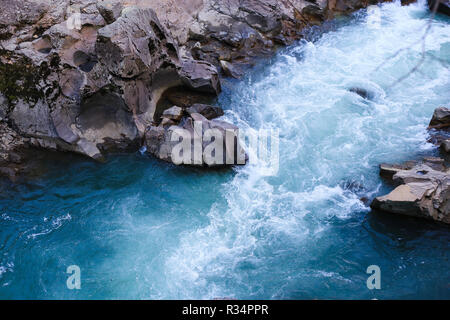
(139, 228)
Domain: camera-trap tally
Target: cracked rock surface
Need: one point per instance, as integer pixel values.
(87, 76)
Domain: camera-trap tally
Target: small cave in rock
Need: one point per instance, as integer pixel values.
(43, 45)
(104, 116)
(84, 61)
(183, 97)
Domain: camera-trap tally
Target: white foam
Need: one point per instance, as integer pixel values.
(327, 135)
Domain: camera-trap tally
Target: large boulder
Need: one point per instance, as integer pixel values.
(423, 191)
(196, 141)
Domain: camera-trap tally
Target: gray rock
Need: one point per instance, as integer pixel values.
(206, 110)
(132, 52)
(110, 9)
(200, 76)
(422, 192)
(441, 118)
(230, 70)
(445, 146)
(197, 131)
(175, 113)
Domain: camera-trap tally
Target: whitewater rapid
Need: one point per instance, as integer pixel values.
(139, 228)
(330, 138)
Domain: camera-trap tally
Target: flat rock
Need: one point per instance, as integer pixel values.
(421, 192)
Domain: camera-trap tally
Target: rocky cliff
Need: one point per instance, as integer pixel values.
(93, 76)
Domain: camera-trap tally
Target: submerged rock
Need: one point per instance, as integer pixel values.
(361, 92)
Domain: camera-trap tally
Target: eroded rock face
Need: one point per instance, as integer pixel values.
(209, 112)
(423, 191)
(11, 147)
(86, 76)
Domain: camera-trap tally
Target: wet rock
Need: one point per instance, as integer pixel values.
(364, 93)
(314, 14)
(90, 149)
(12, 156)
(196, 141)
(183, 97)
(445, 146)
(440, 119)
(422, 192)
(231, 70)
(388, 171)
(407, 2)
(439, 129)
(209, 112)
(346, 6)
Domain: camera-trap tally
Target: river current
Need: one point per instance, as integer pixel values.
(139, 228)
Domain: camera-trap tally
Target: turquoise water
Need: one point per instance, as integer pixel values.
(139, 228)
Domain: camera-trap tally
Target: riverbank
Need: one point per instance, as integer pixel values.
(91, 78)
(139, 228)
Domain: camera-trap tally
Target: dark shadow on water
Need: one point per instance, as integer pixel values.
(404, 227)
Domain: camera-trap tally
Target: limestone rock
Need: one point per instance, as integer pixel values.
(209, 112)
(196, 141)
(175, 113)
(422, 192)
(58, 57)
(230, 70)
